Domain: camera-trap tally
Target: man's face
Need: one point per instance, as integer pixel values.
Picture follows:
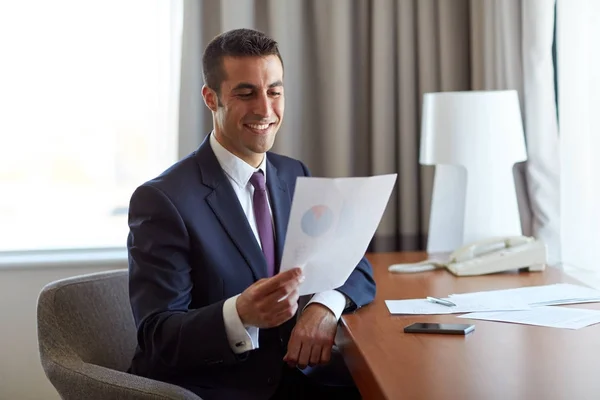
(251, 106)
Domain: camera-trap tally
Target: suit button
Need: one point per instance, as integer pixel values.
(270, 381)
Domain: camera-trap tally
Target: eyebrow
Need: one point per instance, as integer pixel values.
(245, 85)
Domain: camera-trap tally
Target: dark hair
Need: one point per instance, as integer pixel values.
(234, 43)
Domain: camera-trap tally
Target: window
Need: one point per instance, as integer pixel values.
(88, 112)
(578, 54)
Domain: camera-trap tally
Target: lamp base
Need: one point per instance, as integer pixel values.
(467, 208)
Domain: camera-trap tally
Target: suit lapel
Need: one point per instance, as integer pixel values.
(281, 205)
(224, 203)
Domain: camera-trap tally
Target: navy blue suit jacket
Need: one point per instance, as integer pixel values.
(191, 248)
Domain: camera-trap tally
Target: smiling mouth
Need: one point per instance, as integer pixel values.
(259, 128)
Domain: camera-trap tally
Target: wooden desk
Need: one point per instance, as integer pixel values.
(497, 361)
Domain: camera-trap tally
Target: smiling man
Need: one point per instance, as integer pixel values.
(212, 311)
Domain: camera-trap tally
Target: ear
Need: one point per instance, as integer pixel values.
(210, 98)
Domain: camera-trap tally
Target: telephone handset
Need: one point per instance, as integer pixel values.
(486, 257)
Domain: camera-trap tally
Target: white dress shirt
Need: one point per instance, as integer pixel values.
(244, 338)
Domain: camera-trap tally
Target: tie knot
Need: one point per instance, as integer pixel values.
(258, 180)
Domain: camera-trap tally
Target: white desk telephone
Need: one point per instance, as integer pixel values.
(487, 257)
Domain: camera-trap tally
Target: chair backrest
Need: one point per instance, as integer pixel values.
(87, 318)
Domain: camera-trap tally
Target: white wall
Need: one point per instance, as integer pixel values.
(21, 373)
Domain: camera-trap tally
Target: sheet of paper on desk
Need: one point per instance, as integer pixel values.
(554, 317)
(424, 307)
(331, 223)
(560, 293)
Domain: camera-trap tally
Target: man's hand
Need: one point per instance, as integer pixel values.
(270, 302)
(312, 337)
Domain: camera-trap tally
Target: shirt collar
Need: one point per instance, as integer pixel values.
(236, 168)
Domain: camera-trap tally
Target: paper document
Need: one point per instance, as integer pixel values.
(331, 224)
(560, 293)
(554, 317)
(424, 307)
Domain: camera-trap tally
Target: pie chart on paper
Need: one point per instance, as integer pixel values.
(317, 220)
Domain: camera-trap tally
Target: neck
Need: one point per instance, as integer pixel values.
(252, 159)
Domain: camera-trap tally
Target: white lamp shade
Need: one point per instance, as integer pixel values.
(464, 128)
(474, 139)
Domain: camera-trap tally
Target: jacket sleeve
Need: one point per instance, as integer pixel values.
(360, 286)
(171, 334)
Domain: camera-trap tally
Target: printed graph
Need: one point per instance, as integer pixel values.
(317, 220)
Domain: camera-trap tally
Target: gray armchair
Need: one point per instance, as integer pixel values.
(87, 337)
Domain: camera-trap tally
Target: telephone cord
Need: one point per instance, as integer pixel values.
(423, 266)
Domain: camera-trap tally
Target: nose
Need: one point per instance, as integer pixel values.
(262, 106)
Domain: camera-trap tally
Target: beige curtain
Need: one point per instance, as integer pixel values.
(355, 75)
(512, 49)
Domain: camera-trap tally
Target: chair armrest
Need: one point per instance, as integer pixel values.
(80, 380)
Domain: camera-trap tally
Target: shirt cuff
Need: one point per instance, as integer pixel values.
(241, 339)
(332, 299)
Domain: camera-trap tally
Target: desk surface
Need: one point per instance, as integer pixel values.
(497, 361)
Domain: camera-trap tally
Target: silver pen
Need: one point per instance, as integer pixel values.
(441, 301)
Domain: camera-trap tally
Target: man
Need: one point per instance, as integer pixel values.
(206, 237)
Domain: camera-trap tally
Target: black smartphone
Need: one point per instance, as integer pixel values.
(451, 329)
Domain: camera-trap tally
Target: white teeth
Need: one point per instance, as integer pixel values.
(258, 127)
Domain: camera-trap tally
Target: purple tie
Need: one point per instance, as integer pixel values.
(263, 220)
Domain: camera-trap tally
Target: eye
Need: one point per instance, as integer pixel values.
(245, 95)
(275, 94)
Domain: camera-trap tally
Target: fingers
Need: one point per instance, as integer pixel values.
(281, 300)
(325, 354)
(315, 356)
(304, 357)
(301, 354)
(272, 301)
(312, 338)
(287, 281)
(293, 352)
(282, 315)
